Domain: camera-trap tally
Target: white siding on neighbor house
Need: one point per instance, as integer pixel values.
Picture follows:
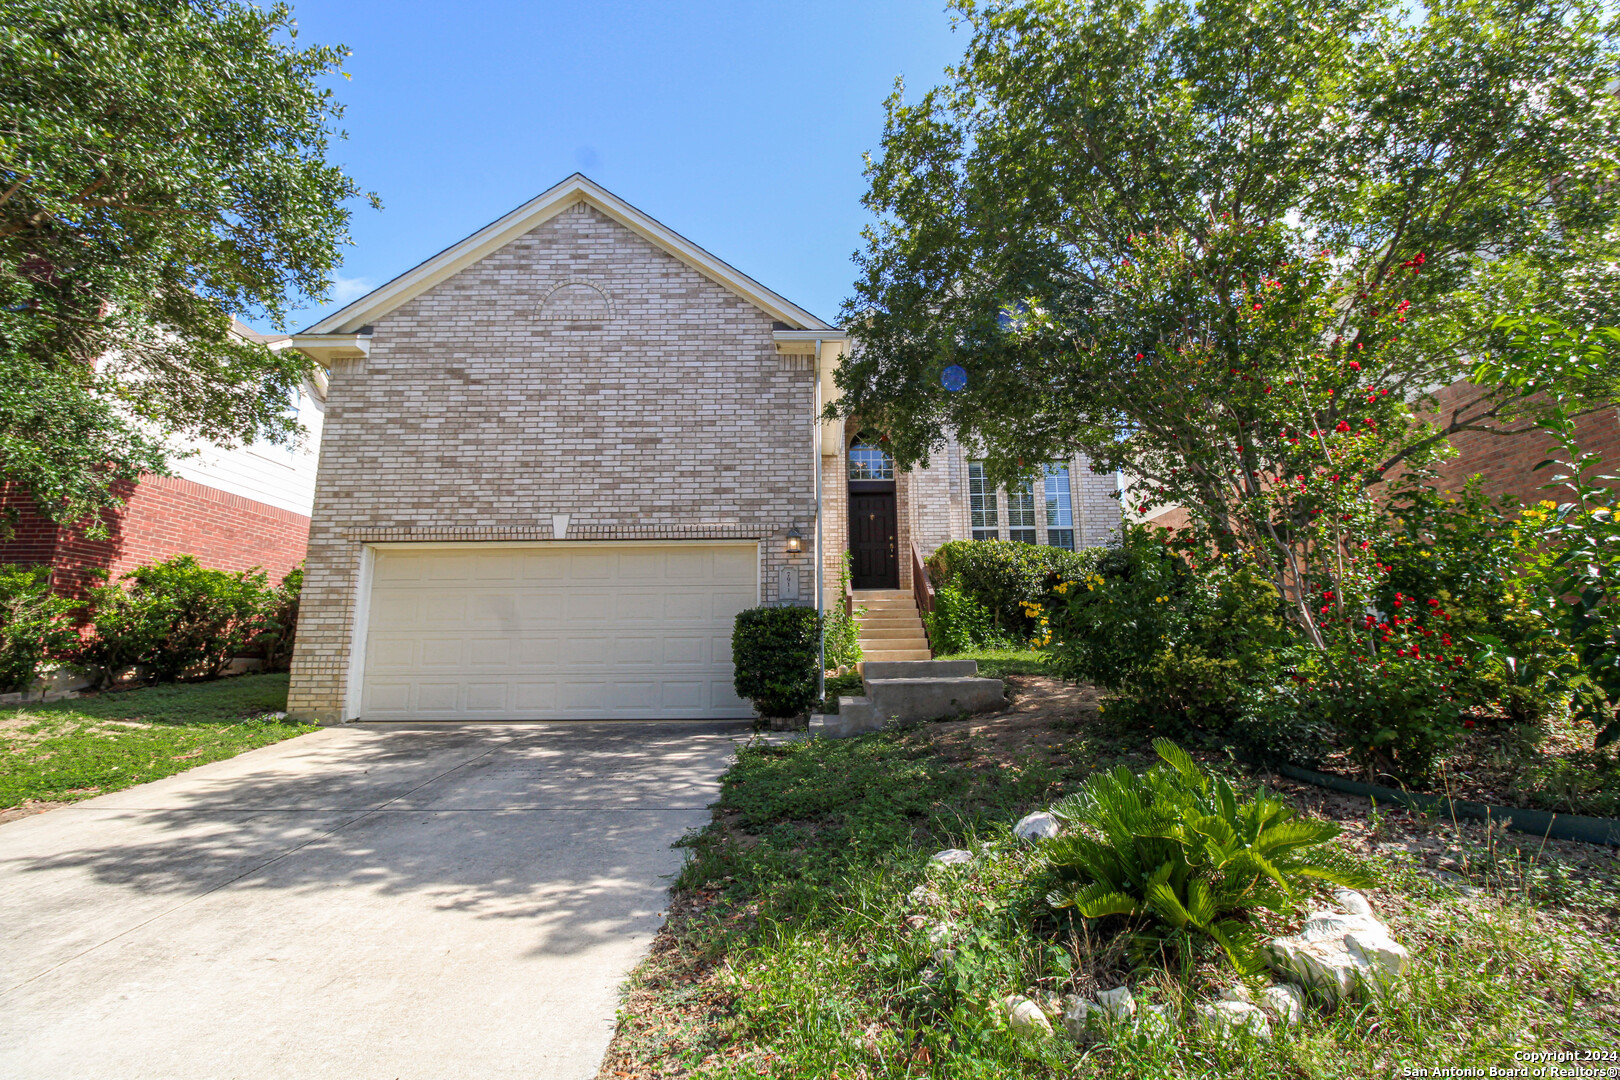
(263, 472)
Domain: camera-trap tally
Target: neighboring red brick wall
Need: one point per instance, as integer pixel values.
(1508, 463)
(163, 516)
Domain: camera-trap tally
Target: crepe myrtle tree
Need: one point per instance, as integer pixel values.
(163, 165)
(1230, 247)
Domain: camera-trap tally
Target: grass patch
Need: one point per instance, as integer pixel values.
(846, 685)
(70, 750)
(999, 663)
(798, 947)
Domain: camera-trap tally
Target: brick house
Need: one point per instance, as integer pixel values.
(234, 508)
(562, 454)
(1506, 465)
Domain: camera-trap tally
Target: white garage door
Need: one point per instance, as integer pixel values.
(577, 632)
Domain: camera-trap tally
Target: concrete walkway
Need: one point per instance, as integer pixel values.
(421, 903)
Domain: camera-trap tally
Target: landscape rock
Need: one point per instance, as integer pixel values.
(1349, 900)
(1086, 1020)
(1226, 1017)
(1156, 1022)
(1037, 826)
(950, 857)
(940, 938)
(1284, 1002)
(916, 922)
(1117, 1004)
(1339, 954)
(1025, 1017)
(923, 896)
(1082, 1018)
(1235, 993)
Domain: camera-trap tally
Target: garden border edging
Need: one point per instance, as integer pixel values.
(1545, 823)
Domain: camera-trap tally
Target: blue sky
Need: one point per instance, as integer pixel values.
(740, 125)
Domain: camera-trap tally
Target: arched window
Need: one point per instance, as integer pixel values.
(868, 460)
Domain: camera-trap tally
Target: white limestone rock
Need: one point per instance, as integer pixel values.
(1025, 1017)
(1082, 1018)
(1117, 1004)
(1283, 1002)
(1224, 1018)
(940, 939)
(923, 896)
(1235, 993)
(1340, 954)
(950, 857)
(1351, 901)
(1037, 826)
(1156, 1022)
(1086, 1020)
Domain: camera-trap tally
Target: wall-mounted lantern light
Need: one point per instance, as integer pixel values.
(795, 541)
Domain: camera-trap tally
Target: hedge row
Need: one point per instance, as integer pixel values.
(170, 620)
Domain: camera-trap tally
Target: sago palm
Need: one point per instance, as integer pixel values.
(1176, 846)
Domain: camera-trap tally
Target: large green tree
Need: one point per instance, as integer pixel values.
(163, 166)
(1189, 239)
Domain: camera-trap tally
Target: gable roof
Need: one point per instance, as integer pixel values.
(497, 234)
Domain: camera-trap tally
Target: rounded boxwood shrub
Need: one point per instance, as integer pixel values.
(774, 651)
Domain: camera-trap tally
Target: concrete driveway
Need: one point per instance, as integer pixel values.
(367, 901)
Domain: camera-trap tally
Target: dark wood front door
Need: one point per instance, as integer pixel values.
(874, 540)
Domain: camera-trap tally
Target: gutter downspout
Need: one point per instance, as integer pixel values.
(821, 607)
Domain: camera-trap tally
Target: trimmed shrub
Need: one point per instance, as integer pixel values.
(1005, 577)
(1177, 849)
(774, 653)
(175, 618)
(34, 624)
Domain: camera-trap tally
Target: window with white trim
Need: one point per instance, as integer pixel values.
(1021, 512)
(981, 504)
(1059, 507)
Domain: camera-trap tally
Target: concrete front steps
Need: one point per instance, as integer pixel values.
(898, 691)
(892, 628)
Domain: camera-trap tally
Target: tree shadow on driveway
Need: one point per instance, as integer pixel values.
(566, 827)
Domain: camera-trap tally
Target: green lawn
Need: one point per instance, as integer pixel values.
(788, 951)
(998, 663)
(71, 750)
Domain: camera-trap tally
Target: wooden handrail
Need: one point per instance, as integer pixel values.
(922, 590)
(921, 587)
(849, 599)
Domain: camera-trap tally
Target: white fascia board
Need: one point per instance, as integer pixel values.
(325, 348)
(577, 188)
(803, 342)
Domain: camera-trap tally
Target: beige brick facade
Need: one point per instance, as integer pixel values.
(578, 370)
(582, 369)
(933, 505)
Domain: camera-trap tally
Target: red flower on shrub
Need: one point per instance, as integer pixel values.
(1342, 426)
